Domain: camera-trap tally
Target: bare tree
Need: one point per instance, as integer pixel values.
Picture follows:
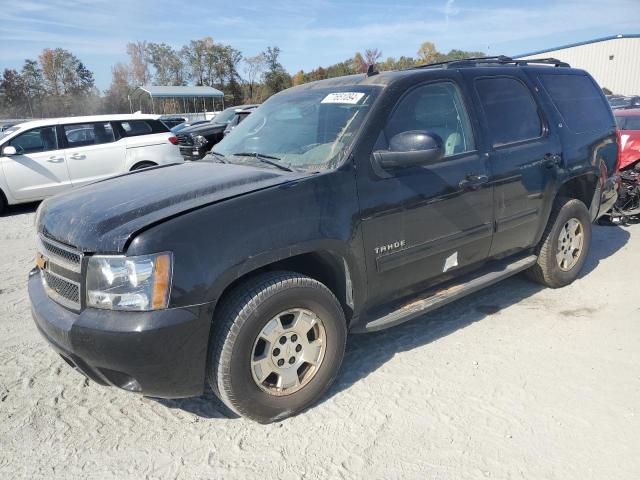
(253, 71)
(372, 55)
(139, 58)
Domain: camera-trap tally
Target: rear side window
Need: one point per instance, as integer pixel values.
(511, 112)
(629, 123)
(41, 139)
(85, 134)
(579, 102)
(133, 128)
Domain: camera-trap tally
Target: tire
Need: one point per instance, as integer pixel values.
(142, 165)
(238, 327)
(548, 270)
(3, 203)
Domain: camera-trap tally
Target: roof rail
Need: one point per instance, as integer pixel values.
(496, 60)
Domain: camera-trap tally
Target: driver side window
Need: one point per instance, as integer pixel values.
(41, 139)
(437, 109)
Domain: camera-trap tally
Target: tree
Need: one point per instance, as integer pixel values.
(167, 63)
(427, 53)
(371, 56)
(275, 77)
(139, 63)
(117, 96)
(12, 93)
(33, 85)
(254, 70)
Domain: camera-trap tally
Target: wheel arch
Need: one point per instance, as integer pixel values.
(141, 162)
(582, 187)
(325, 266)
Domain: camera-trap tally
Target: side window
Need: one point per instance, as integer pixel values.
(41, 139)
(632, 123)
(579, 102)
(437, 109)
(510, 110)
(133, 128)
(85, 134)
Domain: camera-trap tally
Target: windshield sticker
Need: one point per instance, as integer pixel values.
(343, 97)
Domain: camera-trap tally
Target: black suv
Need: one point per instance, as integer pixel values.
(349, 204)
(197, 140)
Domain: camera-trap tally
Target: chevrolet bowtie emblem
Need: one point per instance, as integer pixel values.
(41, 262)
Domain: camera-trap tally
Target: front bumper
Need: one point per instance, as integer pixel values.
(161, 353)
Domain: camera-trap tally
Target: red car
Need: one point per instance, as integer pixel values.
(629, 125)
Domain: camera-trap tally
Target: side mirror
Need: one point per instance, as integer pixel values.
(411, 149)
(8, 151)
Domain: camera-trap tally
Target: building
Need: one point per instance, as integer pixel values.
(613, 61)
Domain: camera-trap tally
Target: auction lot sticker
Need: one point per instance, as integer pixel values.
(343, 97)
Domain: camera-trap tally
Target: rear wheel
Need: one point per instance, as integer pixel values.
(565, 243)
(277, 343)
(142, 165)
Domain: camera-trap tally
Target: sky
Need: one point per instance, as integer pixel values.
(309, 33)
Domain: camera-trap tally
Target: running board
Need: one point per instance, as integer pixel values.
(454, 290)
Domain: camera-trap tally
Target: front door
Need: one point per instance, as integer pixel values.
(424, 222)
(38, 170)
(93, 152)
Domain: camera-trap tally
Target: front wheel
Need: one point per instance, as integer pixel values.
(564, 246)
(276, 345)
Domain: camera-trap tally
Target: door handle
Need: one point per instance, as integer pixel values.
(77, 156)
(473, 182)
(551, 160)
(55, 159)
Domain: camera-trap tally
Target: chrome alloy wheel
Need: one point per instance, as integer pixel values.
(570, 243)
(288, 351)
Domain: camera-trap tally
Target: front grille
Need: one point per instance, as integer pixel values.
(62, 290)
(61, 267)
(185, 140)
(63, 255)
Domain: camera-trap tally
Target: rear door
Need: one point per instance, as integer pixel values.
(422, 222)
(524, 157)
(39, 169)
(93, 151)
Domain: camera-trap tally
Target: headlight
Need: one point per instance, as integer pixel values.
(200, 141)
(129, 283)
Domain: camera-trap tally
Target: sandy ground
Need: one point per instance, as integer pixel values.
(514, 382)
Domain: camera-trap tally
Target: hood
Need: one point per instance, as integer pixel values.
(104, 216)
(203, 128)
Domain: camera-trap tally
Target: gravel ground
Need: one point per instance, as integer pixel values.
(513, 382)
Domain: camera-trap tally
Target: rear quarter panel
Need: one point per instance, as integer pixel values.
(154, 148)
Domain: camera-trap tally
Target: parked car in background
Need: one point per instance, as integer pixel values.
(197, 140)
(45, 157)
(172, 120)
(184, 125)
(350, 204)
(628, 204)
(237, 119)
(617, 102)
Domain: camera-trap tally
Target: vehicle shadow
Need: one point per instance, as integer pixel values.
(368, 352)
(20, 209)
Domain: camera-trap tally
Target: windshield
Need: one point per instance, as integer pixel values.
(5, 133)
(225, 116)
(301, 129)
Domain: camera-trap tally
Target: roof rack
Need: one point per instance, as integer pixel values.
(496, 60)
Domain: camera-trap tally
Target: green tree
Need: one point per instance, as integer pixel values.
(33, 86)
(276, 78)
(12, 93)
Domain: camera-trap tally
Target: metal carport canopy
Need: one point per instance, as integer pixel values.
(160, 91)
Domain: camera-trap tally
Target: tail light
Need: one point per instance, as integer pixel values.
(174, 140)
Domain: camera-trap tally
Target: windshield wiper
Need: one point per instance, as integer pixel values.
(268, 159)
(219, 155)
